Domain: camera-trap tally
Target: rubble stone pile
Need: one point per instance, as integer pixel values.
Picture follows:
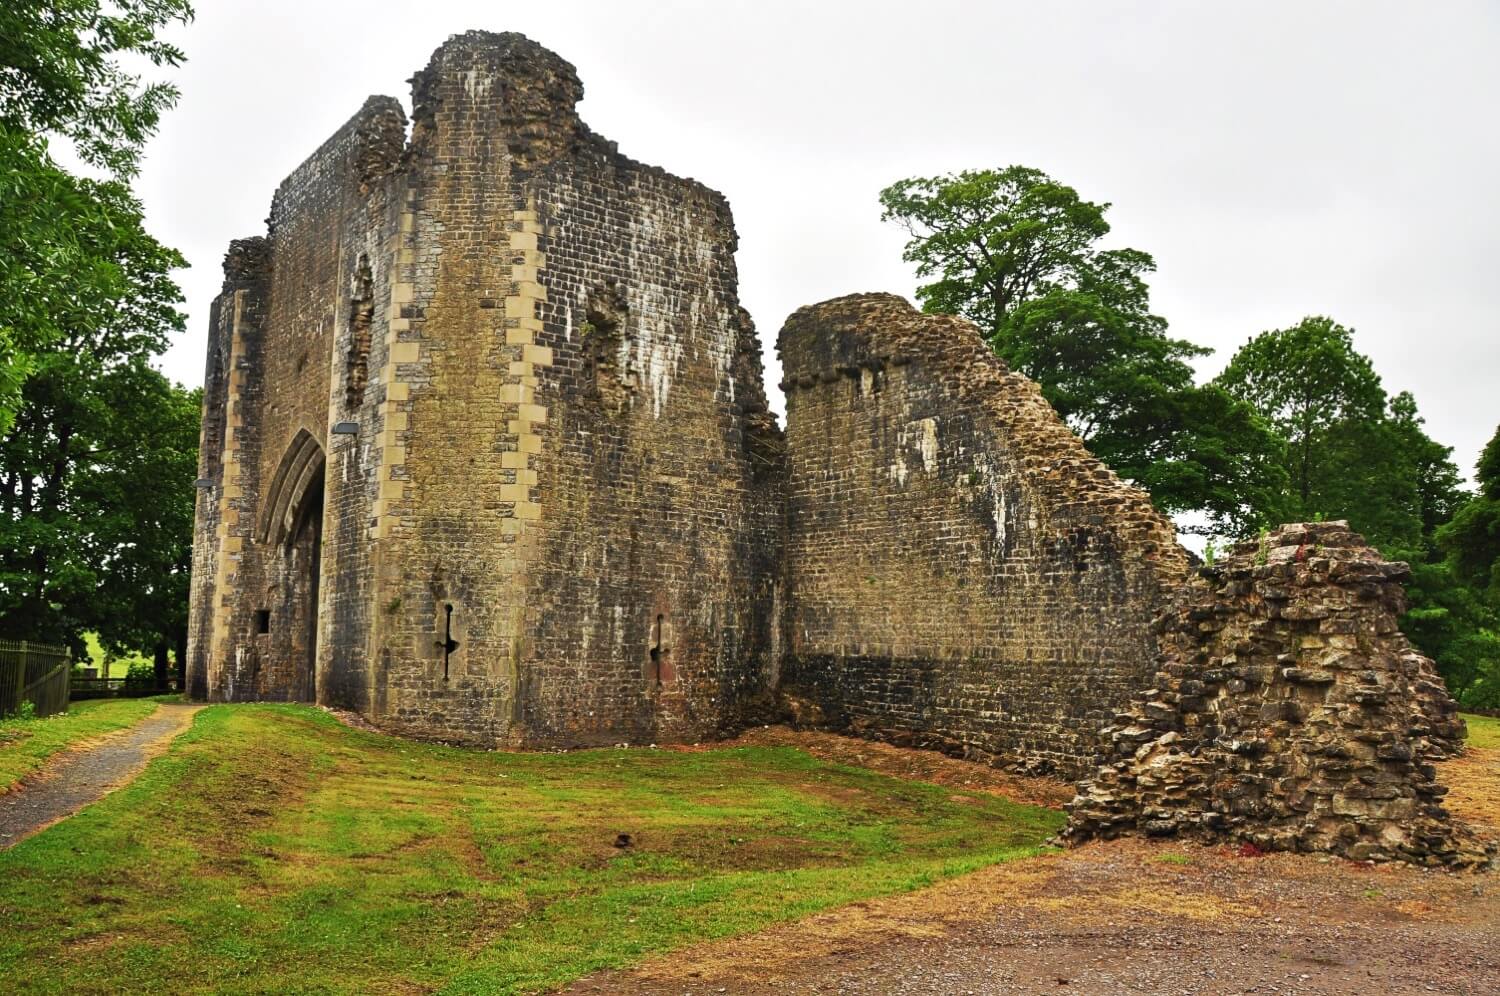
(1288, 713)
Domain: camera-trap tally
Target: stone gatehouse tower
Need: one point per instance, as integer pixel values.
(486, 432)
(486, 457)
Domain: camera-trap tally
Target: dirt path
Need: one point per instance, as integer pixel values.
(903, 762)
(1117, 918)
(1133, 916)
(88, 772)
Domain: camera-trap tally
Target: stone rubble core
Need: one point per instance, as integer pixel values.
(1288, 713)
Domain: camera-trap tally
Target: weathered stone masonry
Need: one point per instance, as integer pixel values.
(1288, 712)
(961, 574)
(498, 376)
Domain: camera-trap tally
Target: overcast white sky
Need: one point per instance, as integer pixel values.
(1278, 159)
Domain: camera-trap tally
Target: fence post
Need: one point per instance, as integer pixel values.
(20, 675)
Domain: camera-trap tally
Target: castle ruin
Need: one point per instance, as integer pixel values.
(489, 447)
(486, 457)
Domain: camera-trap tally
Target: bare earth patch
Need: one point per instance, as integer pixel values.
(900, 762)
(1126, 916)
(1473, 782)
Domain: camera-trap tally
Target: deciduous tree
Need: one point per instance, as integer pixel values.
(76, 253)
(1467, 595)
(1344, 458)
(1017, 253)
(1472, 538)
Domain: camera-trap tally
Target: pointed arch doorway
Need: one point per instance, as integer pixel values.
(292, 530)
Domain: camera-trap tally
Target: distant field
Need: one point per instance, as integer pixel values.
(1484, 731)
(274, 850)
(25, 744)
(95, 656)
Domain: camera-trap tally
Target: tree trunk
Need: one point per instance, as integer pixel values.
(181, 651)
(160, 665)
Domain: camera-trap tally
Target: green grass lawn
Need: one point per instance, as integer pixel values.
(1484, 731)
(118, 667)
(25, 744)
(274, 850)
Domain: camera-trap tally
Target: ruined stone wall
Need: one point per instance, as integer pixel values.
(449, 612)
(1288, 712)
(658, 535)
(221, 525)
(359, 283)
(960, 573)
(491, 461)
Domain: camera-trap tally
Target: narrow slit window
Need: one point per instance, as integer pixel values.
(262, 621)
(447, 643)
(654, 673)
(361, 316)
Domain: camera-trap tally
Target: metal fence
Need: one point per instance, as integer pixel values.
(35, 673)
(120, 688)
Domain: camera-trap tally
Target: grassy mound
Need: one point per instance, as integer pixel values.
(274, 850)
(1484, 731)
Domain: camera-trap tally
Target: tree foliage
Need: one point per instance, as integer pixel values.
(61, 73)
(97, 449)
(1456, 625)
(994, 239)
(1017, 253)
(1467, 595)
(1472, 537)
(1312, 385)
(96, 498)
(76, 252)
(1351, 452)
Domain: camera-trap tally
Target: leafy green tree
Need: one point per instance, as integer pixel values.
(1469, 589)
(60, 73)
(1438, 486)
(1472, 538)
(1016, 253)
(145, 496)
(1218, 451)
(96, 502)
(75, 248)
(994, 239)
(1311, 384)
(1449, 618)
(1459, 628)
(1347, 456)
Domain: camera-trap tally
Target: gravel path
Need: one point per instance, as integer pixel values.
(87, 773)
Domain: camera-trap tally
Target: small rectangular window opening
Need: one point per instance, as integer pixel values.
(262, 621)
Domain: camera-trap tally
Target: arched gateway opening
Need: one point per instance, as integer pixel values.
(291, 528)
